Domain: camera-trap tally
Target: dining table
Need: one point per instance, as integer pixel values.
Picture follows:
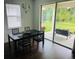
(16, 37)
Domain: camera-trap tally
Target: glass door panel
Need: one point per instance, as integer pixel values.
(48, 19)
(65, 23)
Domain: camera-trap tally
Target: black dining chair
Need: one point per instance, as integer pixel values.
(24, 43)
(15, 31)
(26, 28)
(39, 38)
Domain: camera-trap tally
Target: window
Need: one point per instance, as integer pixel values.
(13, 15)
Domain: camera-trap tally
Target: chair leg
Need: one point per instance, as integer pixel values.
(23, 51)
(30, 48)
(42, 43)
(37, 45)
(33, 42)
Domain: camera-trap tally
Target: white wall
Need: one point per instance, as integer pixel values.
(37, 4)
(26, 18)
(5, 26)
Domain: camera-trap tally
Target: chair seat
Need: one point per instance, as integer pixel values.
(38, 39)
(24, 44)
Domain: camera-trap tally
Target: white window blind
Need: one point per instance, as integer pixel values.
(13, 15)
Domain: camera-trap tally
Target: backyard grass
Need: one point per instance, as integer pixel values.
(66, 26)
(60, 25)
(64, 19)
(48, 25)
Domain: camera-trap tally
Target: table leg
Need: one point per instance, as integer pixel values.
(10, 51)
(9, 41)
(15, 47)
(43, 40)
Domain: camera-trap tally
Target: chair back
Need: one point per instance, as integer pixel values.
(26, 28)
(15, 31)
(25, 40)
(40, 37)
(42, 34)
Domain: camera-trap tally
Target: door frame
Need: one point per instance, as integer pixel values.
(40, 20)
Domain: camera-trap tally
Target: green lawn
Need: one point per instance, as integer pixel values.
(60, 25)
(66, 26)
(64, 19)
(48, 25)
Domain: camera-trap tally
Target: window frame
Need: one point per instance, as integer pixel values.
(9, 27)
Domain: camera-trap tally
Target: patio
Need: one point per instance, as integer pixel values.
(61, 39)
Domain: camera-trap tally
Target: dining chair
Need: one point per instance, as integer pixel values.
(15, 31)
(26, 28)
(39, 38)
(24, 43)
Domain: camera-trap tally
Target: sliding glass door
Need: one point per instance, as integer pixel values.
(65, 24)
(59, 22)
(47, 20)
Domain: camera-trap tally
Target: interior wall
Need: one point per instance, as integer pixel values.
(37, 5)
(26, 18)
(5, 26)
